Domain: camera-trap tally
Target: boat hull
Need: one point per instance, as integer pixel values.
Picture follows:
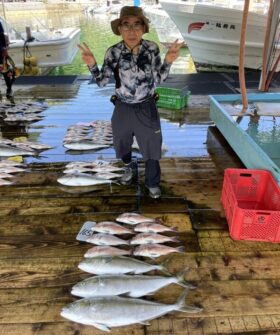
(212, 34)
(49, 53)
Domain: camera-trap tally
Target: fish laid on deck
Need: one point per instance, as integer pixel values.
(81, 168)
(4, 182)
(109, 227)
(9, 150)
(148, 238)
(153, 227)
(118, 265)
(84, 145)
(105, 250)
(155, 250)
(106, 312)
(106, 239)
(82, 179)
(134, 286)
(133, 218)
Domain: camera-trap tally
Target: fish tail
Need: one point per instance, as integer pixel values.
(180, 249)
(173, 228)
(163, 267)
(182, 307)
(181, 280)
(174, 239)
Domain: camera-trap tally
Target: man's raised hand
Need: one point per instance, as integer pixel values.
(87, 55)
(173, 52)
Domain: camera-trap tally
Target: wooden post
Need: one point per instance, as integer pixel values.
(266, 49)
(242, 56)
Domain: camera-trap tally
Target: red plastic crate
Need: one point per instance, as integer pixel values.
(251, 200)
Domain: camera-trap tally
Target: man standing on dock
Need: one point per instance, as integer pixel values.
(137, 67)
(6, 69)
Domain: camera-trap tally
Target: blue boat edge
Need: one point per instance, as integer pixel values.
(250, 153)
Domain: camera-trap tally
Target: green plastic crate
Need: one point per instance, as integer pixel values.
(172, 98)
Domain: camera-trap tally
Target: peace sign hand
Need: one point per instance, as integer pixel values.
(173, 52)
(87, 55)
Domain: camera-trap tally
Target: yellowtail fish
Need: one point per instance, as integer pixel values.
(134, 286)
(106, 312)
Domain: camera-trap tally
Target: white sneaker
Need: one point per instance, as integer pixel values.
(130, 172)
(154, 192)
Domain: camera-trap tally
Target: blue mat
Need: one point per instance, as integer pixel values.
(45, 80)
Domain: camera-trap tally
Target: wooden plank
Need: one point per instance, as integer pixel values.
(56, 223)
(220, 241)
(92, 205)
(206, 326)
(43, 246)
(65, 328)
(205, 219)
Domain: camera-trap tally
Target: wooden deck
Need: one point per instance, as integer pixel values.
(238, 283)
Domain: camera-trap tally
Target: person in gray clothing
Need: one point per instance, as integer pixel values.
(137, 67)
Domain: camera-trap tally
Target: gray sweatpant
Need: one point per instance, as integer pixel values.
(140, 120)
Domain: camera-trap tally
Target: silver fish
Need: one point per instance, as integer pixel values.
(107, 168)
(147, 238)
(106, 239)
(117, 265)
(11, 169)
(155, 250)
(109, 227)
(4, 175)
(77, 169)
(152, 227)
(134, 286)
(96, 163)
(8, 151)
(106, 312)
(133, 218)
(108, 175)
(81, 169)
(7, 162)
(84, 145)
(5, 182)
(82, 179)
(105, 250)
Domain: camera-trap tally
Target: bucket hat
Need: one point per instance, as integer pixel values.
(129, 11)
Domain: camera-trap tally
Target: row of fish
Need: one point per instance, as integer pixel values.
(22, 112)
(90, 173)
(9, 148)
(101, 305)
(146, 232)
(8, 168)
(89, 136)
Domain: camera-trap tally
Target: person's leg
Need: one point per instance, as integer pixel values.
(123, 139)
(122, 131)
(127, 158)
(149, 138)
(152, 173)
(9, 80)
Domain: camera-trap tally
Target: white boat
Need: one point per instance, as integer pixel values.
(115, 7)
(50, 47)
(111, 7)
(212, 34)
(166, 29)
